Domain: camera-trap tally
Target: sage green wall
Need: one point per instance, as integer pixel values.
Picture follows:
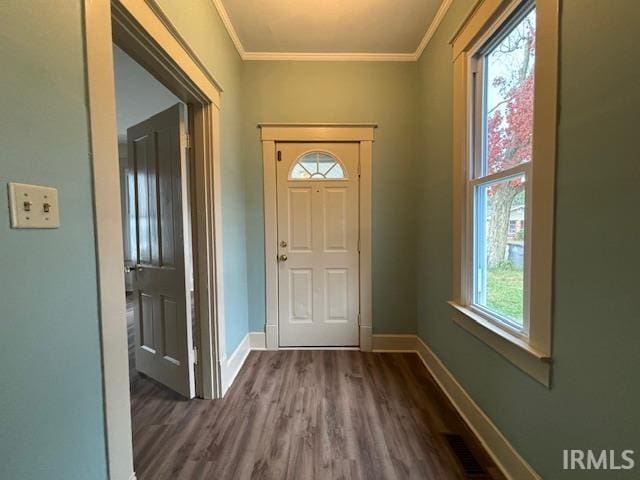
(200, 25)
(51, 410)
(593, 402)
(383, 93)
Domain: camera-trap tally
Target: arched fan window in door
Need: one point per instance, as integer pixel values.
(317, 165)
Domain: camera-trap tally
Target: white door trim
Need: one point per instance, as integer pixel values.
(140, 28)
(279, 132)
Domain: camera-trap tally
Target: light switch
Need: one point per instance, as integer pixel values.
(33, 206)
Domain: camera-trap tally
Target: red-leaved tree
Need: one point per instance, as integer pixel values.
(509, 130)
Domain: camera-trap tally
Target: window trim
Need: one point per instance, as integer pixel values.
(529, 350)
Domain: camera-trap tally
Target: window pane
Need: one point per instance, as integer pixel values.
(317, 166)
(335, 172)
(300, 172)
(310, 163)
(499, 238)
(508, 104)
(325, 162)
(131, 210)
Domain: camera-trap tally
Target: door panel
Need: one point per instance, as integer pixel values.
(146, 322)
(335, 219)
(318, 237)
(337, 298)
(164, 344)
(299, 203)
(301, 296)
(140, 158)
(169, 201)
(170, 330)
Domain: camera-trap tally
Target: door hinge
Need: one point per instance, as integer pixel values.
(195, 355)
(187, 140)
(359, 319)
(279, 156)
(359, 169)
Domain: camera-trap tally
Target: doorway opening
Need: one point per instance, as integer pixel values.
(155, 170)
(153, 152)
(143, 32)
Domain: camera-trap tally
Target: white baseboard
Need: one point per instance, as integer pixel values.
(394, 343)
(133, 476)
(233, 364)
(258, 340)
(508, 460)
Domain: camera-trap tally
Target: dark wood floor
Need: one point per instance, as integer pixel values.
(304, 415)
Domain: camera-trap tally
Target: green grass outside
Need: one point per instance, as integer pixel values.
(505, 291)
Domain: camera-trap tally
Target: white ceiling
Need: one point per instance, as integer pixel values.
(382, 28)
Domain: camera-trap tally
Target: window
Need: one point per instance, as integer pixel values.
(504, 162)
(317, 166)
(502, 81)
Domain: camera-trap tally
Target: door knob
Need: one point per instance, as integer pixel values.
(283, 258)
(129, 269)
(139, 268)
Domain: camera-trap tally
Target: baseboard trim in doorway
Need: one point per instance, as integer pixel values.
(394, 343)
(234, 362)
(133, 476)
(258, 340)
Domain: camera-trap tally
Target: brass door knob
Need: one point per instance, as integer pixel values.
(283, 258)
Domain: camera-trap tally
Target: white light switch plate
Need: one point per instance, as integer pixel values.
(29, 205)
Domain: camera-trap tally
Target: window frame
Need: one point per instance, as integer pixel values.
(528, 347)
(478, 177)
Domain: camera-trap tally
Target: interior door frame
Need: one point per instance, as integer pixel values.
(141, 29)
(271, 135)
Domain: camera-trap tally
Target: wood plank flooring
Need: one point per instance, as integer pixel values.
(304, 415)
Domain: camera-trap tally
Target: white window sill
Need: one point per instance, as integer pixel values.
(513, 348)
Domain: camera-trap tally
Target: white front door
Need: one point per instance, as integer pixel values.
(163, 331)
(317, 194)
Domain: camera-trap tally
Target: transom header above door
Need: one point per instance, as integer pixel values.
(317, 132)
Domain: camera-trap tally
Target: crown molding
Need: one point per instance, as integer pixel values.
(224, 16)
(435, 23)
(332, 56)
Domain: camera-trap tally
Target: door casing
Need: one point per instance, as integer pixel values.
(273, 133)
(142, 30)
